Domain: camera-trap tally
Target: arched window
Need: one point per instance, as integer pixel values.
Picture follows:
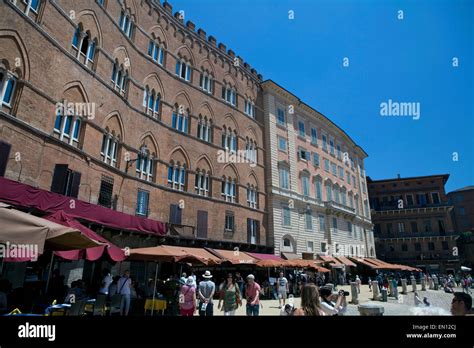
(151, 102)
(145, 164)
(183, 69)
(252, 193)
(328, 192)
(249, 107)
(109, 149)
(229, 139)
(7, 89)
(126, 23)
(202, 183)
(343, 196)
(251, 150)
(204, 129)
(68, 123)
(119, 78)
(180, 119)
(84, 46)
(229, 190)
(177, 176)
(29, 7)
(229, 94)
(156, 52)
(206, 81)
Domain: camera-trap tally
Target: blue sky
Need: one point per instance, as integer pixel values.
(408, 60)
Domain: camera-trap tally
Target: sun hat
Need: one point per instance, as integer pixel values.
(207, 275)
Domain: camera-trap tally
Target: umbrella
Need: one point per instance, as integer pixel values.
(19, 228)
(466, 269)
(169, 253)
(272, 263)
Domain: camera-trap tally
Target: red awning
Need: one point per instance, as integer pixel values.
(265, 256)
(346, 261)
(24, 195)
(235, 257)
(331, 261)
(91, 254)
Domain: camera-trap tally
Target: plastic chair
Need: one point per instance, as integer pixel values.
(115, 304)
(77, 308)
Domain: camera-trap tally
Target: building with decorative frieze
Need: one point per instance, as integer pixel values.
(316, 184)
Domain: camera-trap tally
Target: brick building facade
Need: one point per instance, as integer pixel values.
(413, 223)
(150, 106)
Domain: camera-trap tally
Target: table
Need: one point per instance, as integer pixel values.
(156, 305)
(61, 308)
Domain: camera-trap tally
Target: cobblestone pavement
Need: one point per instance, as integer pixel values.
(440, 303)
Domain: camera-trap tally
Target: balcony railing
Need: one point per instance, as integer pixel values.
(416, 234)
(394, 206)
(338, 206)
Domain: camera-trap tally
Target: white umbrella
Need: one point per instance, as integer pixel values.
(466, 269)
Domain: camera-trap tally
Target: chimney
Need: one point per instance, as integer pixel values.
(168, 8)
(231, 53)
(398, 176)
(177, 15)
(202, 33)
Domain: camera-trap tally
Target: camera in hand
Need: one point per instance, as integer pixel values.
(343, 293)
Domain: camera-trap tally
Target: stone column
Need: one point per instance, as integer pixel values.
(404, 286)
(370, 309)
(413, 284)
(423, 284)
(354, 293)
(375, 290)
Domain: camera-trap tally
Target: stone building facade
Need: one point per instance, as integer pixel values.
(123, 104)
(316, 184)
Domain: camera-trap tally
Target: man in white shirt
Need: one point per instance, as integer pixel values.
(282, 290)
(106, 281)
(124, 288)
(328, 306)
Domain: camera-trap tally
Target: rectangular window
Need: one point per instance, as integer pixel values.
(389, 228)
(323, 247)
(334, 223)
(404, 247)
(286, 216)
(348, 176)
(202, 217)
(105, 192)
(349, 227)
(65, 181)
(331, 146)
(314, 136)
(431, 246)
(142, 202)
(318, 189)
(417, 247)
(445, 245)
(326, 165)
(409, 199)
(427, 226)
(281, 117)
(354, 183)
(339, 155)
(435, 198)
(309, 247)
(309, 220)
(284, 178)
(328, 193)
(301, 130)
(303, 155)
(325, 145)
(253, 231)
(282, 144)
(305, 185)
(229, 221)
(414, 227)
(315, 159)
(175, 214)
(401, 227)
(334, 169)
(441, 226)
(341, 173)
(322, 223)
